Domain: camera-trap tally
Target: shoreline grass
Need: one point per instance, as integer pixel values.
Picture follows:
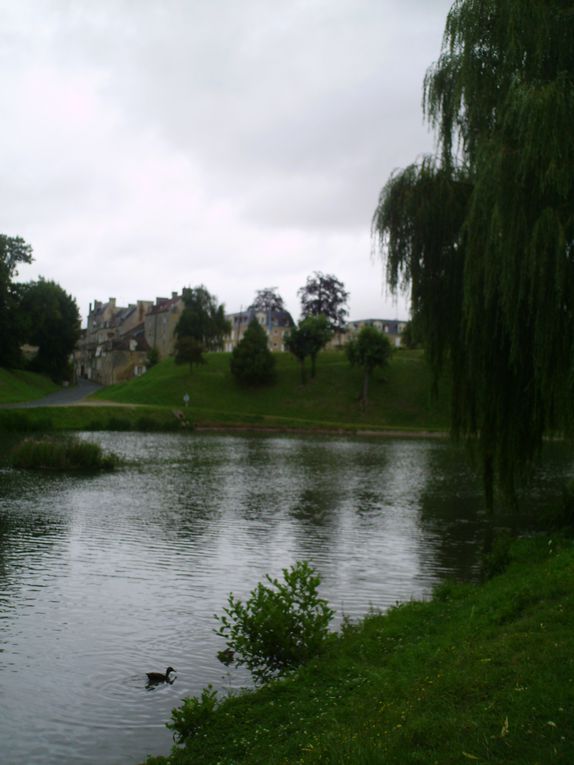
(481, 673)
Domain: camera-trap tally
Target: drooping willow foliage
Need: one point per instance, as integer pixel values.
(483, 234)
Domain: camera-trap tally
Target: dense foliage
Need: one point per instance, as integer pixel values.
(202, 326)
(266, 300)
(325, 295)
(13, 252)
(50, 319)
(281, 625)
(252, 363)
(484, 233)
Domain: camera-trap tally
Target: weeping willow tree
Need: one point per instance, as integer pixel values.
(483, 234)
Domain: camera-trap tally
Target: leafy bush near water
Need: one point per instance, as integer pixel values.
(478, 674)
(281, 625)
(66, 454)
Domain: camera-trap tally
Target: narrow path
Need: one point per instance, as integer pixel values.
(62, 397)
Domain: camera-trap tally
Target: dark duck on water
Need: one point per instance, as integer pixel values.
(159, 677)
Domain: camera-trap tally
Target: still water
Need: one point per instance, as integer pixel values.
(106, 577)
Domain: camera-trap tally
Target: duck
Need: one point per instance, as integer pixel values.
(159, 677)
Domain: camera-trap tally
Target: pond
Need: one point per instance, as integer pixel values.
(103, 578)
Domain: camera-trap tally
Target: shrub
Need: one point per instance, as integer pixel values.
(193, 715)
(252, 363)
(68, 454)
(280, 626)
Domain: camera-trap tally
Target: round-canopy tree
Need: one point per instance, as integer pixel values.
(307, 340)
(50, 319)
(266, 300)
(484, 233)
(369, 350)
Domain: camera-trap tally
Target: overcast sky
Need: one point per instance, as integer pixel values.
(148, 145)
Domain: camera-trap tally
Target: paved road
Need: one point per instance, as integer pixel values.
(62, 397)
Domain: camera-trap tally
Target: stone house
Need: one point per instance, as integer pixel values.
(275, 323)
(112, 348)
(160, 322)
(393, 328)
(116, 342)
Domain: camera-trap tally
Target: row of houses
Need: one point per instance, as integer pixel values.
(116, 342)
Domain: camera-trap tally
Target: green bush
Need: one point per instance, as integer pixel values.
(66, 454)
(281, 625)
(193, 715)
(252, 363)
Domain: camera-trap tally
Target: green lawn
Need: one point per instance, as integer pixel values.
(481, 674)
(400, 398)
(17, 385)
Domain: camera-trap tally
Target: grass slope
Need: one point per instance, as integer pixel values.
(17, 385)
(481, 674)
(68, 418)
(399, 399)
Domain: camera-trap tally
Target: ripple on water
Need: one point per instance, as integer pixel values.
(104, 579)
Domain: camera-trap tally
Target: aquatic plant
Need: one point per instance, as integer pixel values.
(61, 454)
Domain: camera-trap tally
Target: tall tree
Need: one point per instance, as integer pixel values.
(50, 319)
(369, 350)
(484, 233)
(202, 326)
(252, 363)
(325, 294)
(267, 299)
(13, 252)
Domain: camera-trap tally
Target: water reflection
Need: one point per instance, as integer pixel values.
(105, 577)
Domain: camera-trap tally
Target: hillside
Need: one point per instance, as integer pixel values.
(399, 399)
(17, 385)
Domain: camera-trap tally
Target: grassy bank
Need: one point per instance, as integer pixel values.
(17, 385)
(68, 418)
(399, 399)
(481, 674)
